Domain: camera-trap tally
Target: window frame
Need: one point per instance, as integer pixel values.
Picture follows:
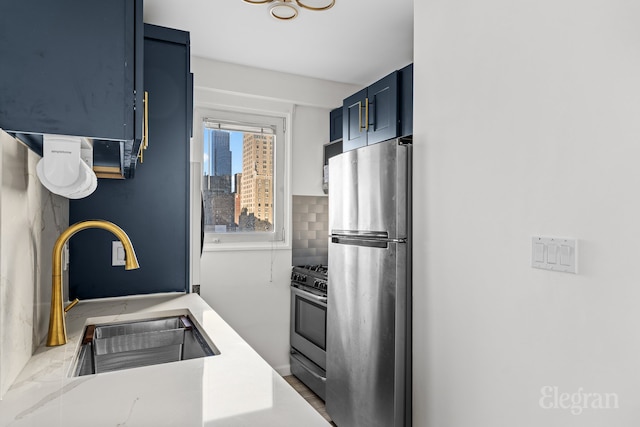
(280, 121)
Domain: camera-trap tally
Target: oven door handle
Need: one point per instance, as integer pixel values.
(309, 295)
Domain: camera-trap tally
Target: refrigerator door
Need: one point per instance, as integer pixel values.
(369, 191)
(368, 339)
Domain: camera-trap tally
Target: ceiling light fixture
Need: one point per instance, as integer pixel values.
(286, 10)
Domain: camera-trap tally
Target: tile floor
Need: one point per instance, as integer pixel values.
(309, 396)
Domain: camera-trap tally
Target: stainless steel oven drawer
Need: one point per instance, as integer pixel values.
(309, 373)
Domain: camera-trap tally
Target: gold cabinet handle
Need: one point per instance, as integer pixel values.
(145, 128)
(366, 114)
(145, 135)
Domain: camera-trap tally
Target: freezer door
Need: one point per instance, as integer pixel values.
(368, 334)
(369, 190)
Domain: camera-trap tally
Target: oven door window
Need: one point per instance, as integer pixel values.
(311, 321)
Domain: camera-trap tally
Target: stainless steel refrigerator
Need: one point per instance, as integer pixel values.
(369, 299)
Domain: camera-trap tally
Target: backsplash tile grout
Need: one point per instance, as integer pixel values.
(310, 230)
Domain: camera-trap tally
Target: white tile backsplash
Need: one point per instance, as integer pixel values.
(310, 230)
(31, 218)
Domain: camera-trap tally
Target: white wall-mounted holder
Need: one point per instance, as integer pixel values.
(66, 166)
(554, 254)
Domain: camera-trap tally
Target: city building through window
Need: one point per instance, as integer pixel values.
(242, 178)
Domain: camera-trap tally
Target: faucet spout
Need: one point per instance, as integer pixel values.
(57, 328)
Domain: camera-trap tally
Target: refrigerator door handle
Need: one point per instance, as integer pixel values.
(363, 241)
(361, 233)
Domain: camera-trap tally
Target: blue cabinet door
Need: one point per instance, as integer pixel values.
(335, 124)
(383, 109)
(372, 114)
(153, 208)
(354, 134)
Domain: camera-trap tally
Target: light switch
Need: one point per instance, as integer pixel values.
(117, 253)
(538, 252)
(565, 255)
(65, 255)
(554, 254)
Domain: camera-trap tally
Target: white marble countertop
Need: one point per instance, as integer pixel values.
(235, 388)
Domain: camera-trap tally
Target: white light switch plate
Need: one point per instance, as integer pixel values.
(554, 254)
(65, 253)
(117, 253)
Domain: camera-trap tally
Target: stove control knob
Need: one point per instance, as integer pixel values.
(320, 284)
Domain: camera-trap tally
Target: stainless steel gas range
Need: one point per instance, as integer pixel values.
(309, 326)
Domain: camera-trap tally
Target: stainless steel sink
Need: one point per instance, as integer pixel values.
(116, 346)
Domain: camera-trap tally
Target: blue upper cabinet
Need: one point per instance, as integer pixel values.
(379, 112)
(406, 100)
(74, 68)
(335, 124)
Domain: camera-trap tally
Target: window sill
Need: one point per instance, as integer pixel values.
(245, 246)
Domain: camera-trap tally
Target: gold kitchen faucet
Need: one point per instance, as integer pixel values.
(57, 329)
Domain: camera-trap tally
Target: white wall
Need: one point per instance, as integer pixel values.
(226, 78)
(526, 123)
(31, 218)
(310, 133)
(250, 288)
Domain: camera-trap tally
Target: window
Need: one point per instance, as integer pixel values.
(243, 177)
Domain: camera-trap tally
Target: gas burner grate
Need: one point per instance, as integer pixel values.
(322, 269)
